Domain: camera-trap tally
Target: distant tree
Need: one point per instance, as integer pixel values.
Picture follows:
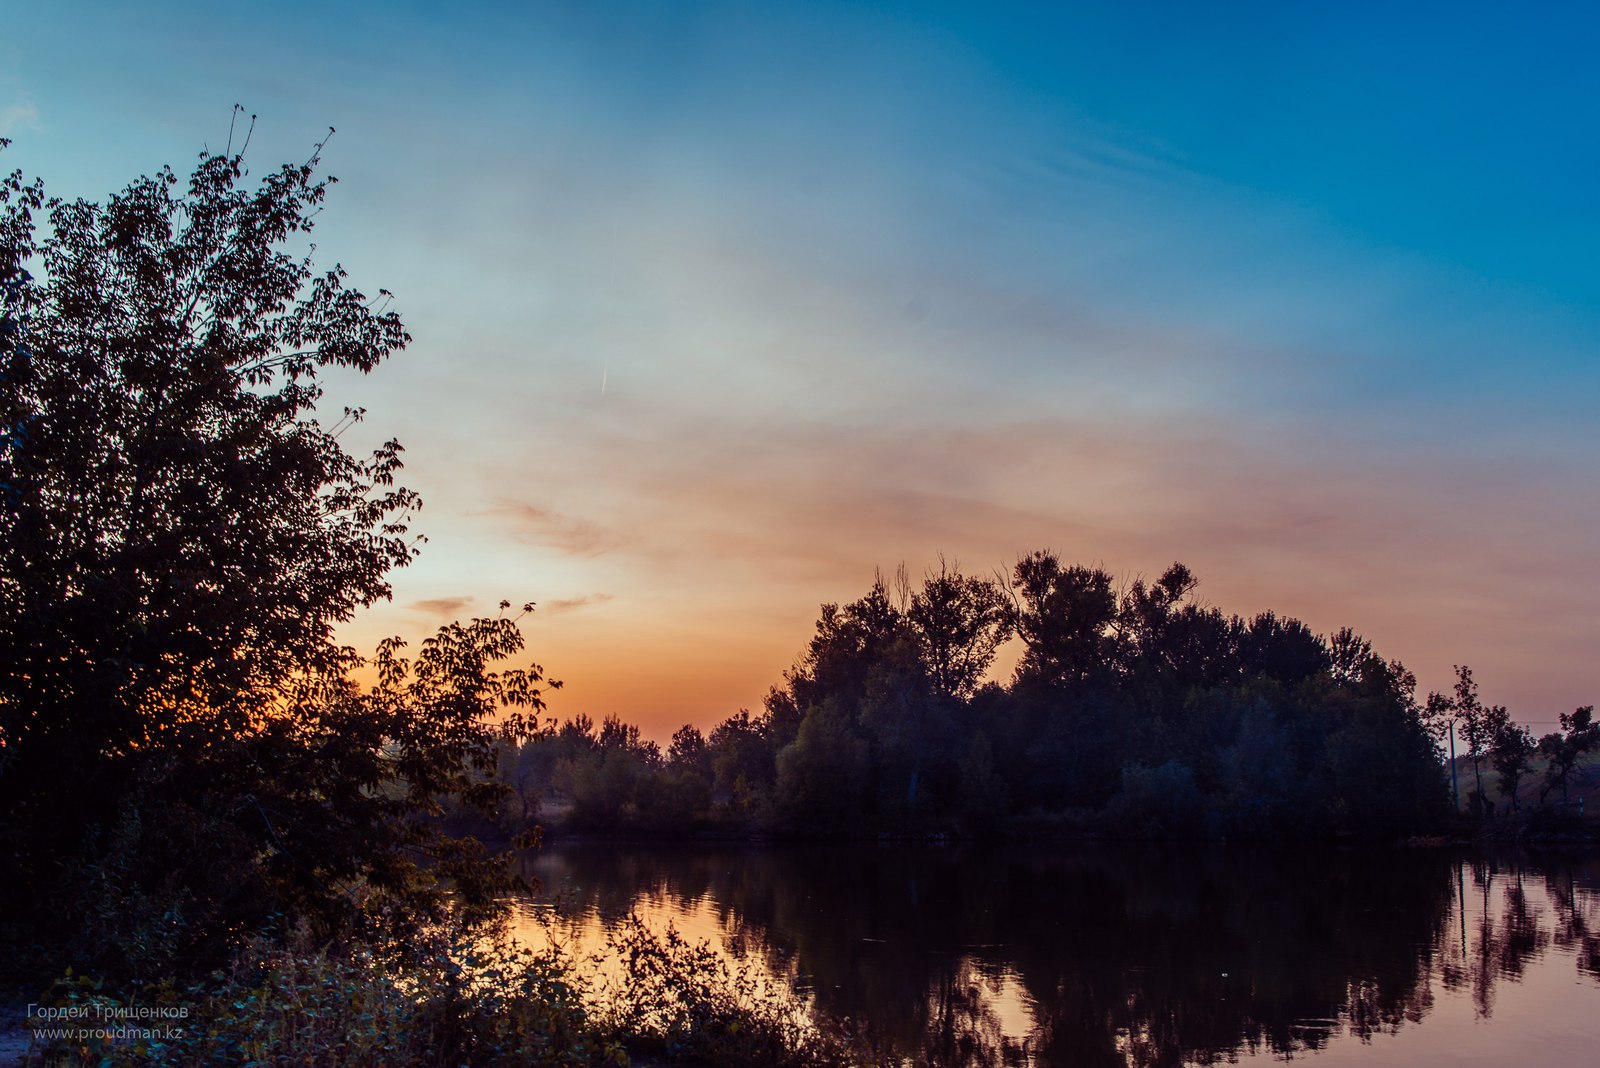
(673, 797)
(1064, 616)
(1284, 649)
(677, 793)
(1157, 802)
(577, 733)
(1147, 610)
(1477, 721)
(822, 774)
(743, 762)
(1351, 658)
(982, 798)
(1580, 734)
(611, 777)
(1260, 779)
(525, 770)
(959, 622)
(781, 712)
(848, 644)
(688, 747)
(603, 786)
(902, 718)
(1510, 748)
(618, 736)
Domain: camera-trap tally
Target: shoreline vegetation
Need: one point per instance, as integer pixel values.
(1132, 714)
(201, 808)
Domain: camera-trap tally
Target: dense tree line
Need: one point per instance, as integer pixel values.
(1137, 710)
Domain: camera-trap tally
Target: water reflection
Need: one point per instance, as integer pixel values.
(1115, 956)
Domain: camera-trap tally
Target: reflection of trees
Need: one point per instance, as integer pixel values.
(1195, 954)
(1521, 938)
(1509, 929)
(1140, 956)
(964, 1026)
(1577, 916)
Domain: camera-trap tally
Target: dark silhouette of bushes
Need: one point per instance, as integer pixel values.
(1137, 712)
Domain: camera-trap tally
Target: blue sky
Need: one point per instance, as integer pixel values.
(1304, 299)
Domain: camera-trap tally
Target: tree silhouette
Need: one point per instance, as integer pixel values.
(1478, 722)
(1510, 748)
(959, 622)
(1580, 734)
(1064, 617)
(181, 749)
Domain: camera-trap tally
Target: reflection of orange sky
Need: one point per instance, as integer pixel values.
(1476, 1003)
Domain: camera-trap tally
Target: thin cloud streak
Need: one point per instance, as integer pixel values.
(443, 607)
(573, 604)
(539, 526)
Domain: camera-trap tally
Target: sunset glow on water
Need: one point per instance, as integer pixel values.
(1444, 960)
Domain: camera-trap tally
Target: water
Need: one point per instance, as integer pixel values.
(1135, 955)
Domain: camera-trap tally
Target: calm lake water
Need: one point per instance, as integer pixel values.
(1136, 955)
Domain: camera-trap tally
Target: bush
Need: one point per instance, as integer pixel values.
(447, 997)
(1159, 802)
(681, 1004)
(444, 999)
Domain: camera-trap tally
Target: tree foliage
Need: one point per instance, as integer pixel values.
(1510, 750)
(1579, 734)
(179, 537)
(959, 622)
(1138, 710)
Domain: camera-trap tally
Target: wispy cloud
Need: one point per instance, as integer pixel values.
(442, 607)
(18, 114)
(572, 604)
(543, 527)
(1304, 519)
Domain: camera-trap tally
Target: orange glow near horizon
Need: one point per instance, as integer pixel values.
(662, 668)
(713, 311)
(679, 562)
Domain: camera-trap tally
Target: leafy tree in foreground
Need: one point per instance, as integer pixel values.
(181, 748)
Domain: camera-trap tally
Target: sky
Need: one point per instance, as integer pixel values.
(719, 307)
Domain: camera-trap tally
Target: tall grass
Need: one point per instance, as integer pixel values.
(449, 998)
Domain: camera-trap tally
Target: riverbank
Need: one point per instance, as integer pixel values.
(1533, 827)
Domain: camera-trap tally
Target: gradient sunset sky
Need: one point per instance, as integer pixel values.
(719, 306)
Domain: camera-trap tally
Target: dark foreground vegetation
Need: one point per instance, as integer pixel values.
(200, 805)
(445, 997)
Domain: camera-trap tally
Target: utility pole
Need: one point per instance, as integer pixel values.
(1455, 793)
